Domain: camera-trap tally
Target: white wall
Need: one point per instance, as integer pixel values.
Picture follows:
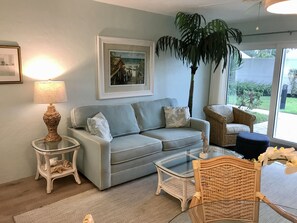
(275, 23)
(66, 30)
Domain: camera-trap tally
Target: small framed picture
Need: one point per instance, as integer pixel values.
(10, 65)
(125, 67)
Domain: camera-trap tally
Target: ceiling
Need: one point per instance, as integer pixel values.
(228, 10)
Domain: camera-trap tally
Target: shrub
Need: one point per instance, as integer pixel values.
(239, 87)
(249, 93)
(249, 99)
(292, 75)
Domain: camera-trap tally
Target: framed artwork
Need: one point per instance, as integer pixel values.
(125, 67)
(10, 65)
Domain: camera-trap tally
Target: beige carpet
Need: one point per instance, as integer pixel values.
(136, 201)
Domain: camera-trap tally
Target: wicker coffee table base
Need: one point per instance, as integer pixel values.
(178, 187)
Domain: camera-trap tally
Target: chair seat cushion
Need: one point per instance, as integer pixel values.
(174, 138)
(234, 128)
(130, 147)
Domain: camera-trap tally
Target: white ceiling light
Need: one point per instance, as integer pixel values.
(281, 6)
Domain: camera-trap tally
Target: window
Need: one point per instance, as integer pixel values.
(249, 85)
(285, 117)
(265, 84)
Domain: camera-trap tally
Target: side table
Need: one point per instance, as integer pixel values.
(52, 154)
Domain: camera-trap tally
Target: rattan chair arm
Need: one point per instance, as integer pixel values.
(279, 210)
(214, 115)
(243, 117)
(221, 126)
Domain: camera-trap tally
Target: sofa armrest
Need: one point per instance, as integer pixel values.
(200, 125)
(93, 158)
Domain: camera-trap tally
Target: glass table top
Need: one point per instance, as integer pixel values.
(234, 211)
(180, 164)
(65, 144)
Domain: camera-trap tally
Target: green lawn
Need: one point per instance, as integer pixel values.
(259, 117)
(265, 103)
(291, 104)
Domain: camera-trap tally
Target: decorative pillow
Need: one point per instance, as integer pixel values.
(98, 125)
(177, 117)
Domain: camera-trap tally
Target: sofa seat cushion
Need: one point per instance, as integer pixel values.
(233, 128)
(131, 147)
(174, 138)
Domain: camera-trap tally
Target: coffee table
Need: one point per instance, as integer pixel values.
(175, 172)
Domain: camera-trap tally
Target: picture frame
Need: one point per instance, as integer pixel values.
(125, 67)
(10, 65)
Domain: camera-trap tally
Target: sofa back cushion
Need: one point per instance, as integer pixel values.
(121, 118)
(150, 114)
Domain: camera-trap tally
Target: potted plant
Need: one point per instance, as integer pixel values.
(201, 41)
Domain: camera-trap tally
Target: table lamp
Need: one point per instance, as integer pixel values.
(50, 92)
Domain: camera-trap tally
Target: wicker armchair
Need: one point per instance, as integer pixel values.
(226, 122)
(228, 179)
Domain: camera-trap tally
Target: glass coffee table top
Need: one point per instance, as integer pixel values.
(180, 164)
(235, 211)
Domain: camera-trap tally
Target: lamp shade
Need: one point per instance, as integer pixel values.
(49, 92)
(281, 6)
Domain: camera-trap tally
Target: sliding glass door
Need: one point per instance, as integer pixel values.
(249, 85)
(285, 118)
(265, 84)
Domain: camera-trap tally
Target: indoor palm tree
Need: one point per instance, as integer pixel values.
(201, 42)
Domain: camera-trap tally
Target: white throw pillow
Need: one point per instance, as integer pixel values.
(98, 125)
(177, 117)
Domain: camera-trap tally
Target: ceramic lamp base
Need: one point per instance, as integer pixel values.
(52, 118)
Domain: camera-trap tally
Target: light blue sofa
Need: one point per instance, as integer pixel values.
(139, 138)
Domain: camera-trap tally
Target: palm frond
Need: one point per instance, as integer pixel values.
(188, 22)
(199, 41)
(235, 34)
(218, 44)
(170, 43)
